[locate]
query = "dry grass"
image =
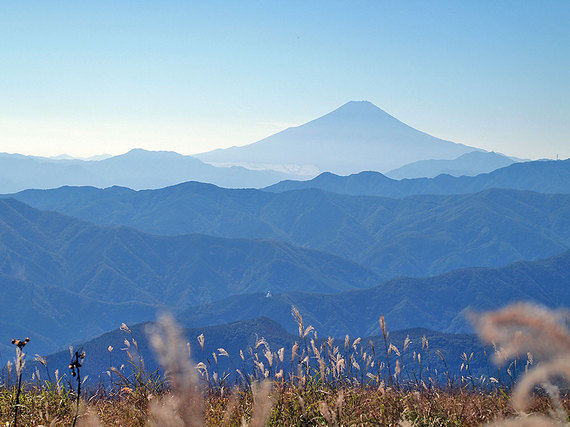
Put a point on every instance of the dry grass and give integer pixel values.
(324, 384)
(288, 405)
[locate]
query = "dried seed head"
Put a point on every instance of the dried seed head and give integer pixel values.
(40, 359)
(294, 351)
(20, 343)
(269, 356)
(407, 342)
(382, 325)
(201, 341)
(261, 342)
(522, 328)
(308, 331)
(394, 348)
(298, 319)
(534, 330)
(356, 342)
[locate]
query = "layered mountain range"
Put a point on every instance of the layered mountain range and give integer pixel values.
(357, 136)
(551, 176)
(57, 270)
(60, 271)
(76, 261)
(469, 164)
(416, 235)
(438, 303)
(136, 169)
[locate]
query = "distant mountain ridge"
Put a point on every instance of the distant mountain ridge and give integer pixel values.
(544, 176)
(438, 303)
(414, 236)
(356, 136)
(137, 169)
(469, 164)
(58, 272)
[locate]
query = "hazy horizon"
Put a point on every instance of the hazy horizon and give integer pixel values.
(90, 78)
(92, 156)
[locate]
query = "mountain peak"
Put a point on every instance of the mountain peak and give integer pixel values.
(360, 111)
(142, 153)
(363, 103)
(360, 106)
(356, 136)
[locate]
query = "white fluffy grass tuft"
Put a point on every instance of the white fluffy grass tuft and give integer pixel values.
(525, 328)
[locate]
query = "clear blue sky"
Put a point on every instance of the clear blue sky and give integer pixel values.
(90, 77)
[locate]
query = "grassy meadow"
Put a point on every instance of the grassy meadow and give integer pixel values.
(315, 382)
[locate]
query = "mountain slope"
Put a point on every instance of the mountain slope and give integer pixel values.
(469, 164)
(415, 236)
(58, 272)
(437, 303)
(357, 136)
(136, 169)
(541, 176)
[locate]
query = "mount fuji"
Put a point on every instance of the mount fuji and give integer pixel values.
(357, 136)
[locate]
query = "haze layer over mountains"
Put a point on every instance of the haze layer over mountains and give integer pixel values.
(356, 137)
(137, 169)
